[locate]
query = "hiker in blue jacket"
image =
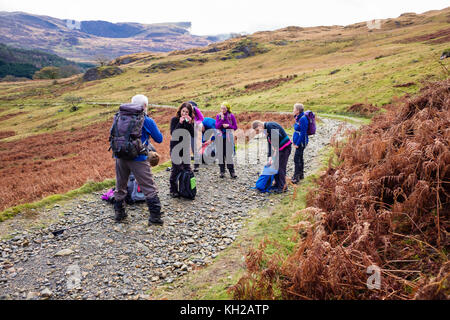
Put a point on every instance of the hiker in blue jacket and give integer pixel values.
(279, 151)
(300, 140)
(141, 169)
(208, 150)
(208, 124)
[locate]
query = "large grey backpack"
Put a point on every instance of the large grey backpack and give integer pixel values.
(126, 132)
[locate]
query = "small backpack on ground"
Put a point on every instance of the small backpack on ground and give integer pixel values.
(266, 179)
(187, 185)
(109, 196)
(311, 122)
(126, 132)
(134, 194)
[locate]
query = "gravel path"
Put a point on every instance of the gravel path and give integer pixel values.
(106, 260)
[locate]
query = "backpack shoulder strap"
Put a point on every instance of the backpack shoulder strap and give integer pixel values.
(130, 128)
(114, 130)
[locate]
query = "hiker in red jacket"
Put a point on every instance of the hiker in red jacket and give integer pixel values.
(225, 124)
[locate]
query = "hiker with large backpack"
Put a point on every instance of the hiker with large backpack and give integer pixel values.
(225, 124)
(279, 150)
(129, 139)
(304, 126)
(182, 131)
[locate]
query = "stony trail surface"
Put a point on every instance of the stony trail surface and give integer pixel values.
(106, 260)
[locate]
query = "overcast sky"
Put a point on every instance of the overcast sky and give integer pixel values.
(224, 16)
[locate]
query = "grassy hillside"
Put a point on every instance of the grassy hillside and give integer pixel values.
(328, 68)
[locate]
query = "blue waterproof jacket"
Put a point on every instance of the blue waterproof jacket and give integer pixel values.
(301, 130)
(209, 124)
(149, 130)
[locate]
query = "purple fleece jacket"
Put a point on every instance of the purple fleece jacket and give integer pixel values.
(229, 119)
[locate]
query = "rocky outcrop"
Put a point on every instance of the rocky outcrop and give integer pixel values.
(244, 49)
(101, 73)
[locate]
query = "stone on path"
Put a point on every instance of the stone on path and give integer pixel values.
(64, 252)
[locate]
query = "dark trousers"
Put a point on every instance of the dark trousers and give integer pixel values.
(299, 163)
(222, 154)
(280, 178)
(143, 174)
(176, 170)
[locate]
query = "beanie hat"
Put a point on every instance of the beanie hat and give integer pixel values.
(228, 105)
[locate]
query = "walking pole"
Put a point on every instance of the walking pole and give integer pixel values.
(60, 232)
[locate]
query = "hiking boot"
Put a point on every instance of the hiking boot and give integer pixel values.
(196, 168)
(155, 221)
(279, 191)
(154, 207)
(297, 179)
(233, 175)
(119, 210)
(174, 195)
(222, 175)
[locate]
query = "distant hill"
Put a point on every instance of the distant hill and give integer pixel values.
(24, 63)
(85, 40)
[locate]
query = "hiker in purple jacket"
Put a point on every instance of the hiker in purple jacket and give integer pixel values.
(225, 124)
(141, 169)
(196, 142)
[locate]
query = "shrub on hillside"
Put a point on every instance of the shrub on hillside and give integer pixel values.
(47, 73)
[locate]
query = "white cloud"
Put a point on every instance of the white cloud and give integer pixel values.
(219, 16)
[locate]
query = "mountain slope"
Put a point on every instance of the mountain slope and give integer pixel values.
(328, 68)
(84, 40)
(24, 63)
